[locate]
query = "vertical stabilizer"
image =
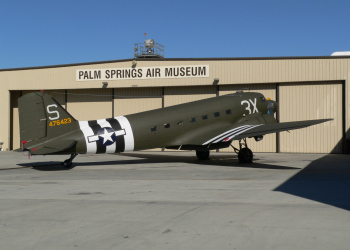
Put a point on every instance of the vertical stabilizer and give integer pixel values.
(42, 117)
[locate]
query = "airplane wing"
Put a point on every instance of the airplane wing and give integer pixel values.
(249, 126)
(249, 130)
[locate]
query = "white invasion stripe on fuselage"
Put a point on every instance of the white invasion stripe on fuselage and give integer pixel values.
(129, 136)
(104, 124)
(91, 148)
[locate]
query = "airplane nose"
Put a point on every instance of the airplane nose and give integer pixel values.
(272, 106)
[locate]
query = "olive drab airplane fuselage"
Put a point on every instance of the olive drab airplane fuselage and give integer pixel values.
(47, 128)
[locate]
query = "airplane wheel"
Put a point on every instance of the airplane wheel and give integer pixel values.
(67, 164)
(245, 155)
(203, 155)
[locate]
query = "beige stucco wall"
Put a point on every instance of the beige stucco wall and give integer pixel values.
(229, 71)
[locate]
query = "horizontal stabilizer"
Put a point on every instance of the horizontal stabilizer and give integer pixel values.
(52, 147)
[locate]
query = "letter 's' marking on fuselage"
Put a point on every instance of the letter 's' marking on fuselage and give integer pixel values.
(53, 112)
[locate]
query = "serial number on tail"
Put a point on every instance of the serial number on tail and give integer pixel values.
(60, 122)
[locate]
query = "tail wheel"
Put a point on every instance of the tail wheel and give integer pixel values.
(67, 164)
(245, 155)
(203, 155)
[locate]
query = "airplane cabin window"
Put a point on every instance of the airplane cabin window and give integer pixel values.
(217, 114)
(154, 129)
(204, 117)
(228, 111)
(192, 119)
(166, 125)
(180, 123)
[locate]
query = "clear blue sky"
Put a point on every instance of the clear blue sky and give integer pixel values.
(39, 33)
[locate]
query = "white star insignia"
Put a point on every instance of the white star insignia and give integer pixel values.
(107, 136)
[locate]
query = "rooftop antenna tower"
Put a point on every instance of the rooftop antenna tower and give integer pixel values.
(148, 49)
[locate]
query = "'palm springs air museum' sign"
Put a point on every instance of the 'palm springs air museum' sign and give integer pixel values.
(142, 73)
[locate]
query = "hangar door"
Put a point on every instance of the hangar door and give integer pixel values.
(133, 100)
(179, 95)
(89, 104)
(312, 101)
(268, 144)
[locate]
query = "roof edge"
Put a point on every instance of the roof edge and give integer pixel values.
(180, 59)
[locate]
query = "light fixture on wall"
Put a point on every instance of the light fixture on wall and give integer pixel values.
(104, 84)
(216, 81)
(133, 64)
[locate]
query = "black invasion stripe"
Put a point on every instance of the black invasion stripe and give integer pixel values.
(101, 149)
(120, 142)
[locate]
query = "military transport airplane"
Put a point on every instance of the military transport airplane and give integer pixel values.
(47, 128)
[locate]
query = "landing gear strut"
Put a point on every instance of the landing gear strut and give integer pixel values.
(202, 154)
(68, 163)
(245, 155)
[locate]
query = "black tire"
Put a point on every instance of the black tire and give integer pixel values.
(67, 164)
(202, 154)
(245, 155)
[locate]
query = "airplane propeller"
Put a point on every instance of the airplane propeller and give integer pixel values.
(272, 106)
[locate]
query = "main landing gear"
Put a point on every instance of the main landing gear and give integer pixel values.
(245, 155)
(202, 154)
(68, 163)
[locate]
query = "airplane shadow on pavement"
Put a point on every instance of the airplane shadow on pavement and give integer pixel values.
(224, 160)
(216, 160)
(326, 180)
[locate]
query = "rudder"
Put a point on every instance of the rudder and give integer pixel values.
(41, 116)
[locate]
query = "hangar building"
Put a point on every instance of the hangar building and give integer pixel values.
(305, 88)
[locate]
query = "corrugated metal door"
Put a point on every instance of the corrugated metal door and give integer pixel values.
(312, 101)
(178, 95)
(134, 100)
(89, 104)
(268, 144)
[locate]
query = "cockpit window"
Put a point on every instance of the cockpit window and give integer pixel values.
(262, 99)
